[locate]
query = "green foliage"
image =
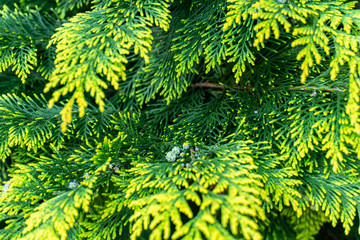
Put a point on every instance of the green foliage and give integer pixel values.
(23, 41)
(50, 219)
(92, 49)
(218, 197)
(234, 119)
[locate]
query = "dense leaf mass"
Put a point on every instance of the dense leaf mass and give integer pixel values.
(189, 119)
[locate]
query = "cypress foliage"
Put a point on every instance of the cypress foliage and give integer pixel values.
(189, 119)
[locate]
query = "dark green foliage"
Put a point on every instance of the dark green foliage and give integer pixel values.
(160, 119)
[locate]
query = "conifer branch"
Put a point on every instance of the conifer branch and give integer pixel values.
(212, 85)
(263, 154)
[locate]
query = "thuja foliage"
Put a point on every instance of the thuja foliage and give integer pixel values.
(189, 119)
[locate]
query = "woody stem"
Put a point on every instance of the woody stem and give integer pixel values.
(211, 85)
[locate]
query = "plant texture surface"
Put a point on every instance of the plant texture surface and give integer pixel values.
(188, 119)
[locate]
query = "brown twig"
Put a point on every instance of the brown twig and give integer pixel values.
(211, 85)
